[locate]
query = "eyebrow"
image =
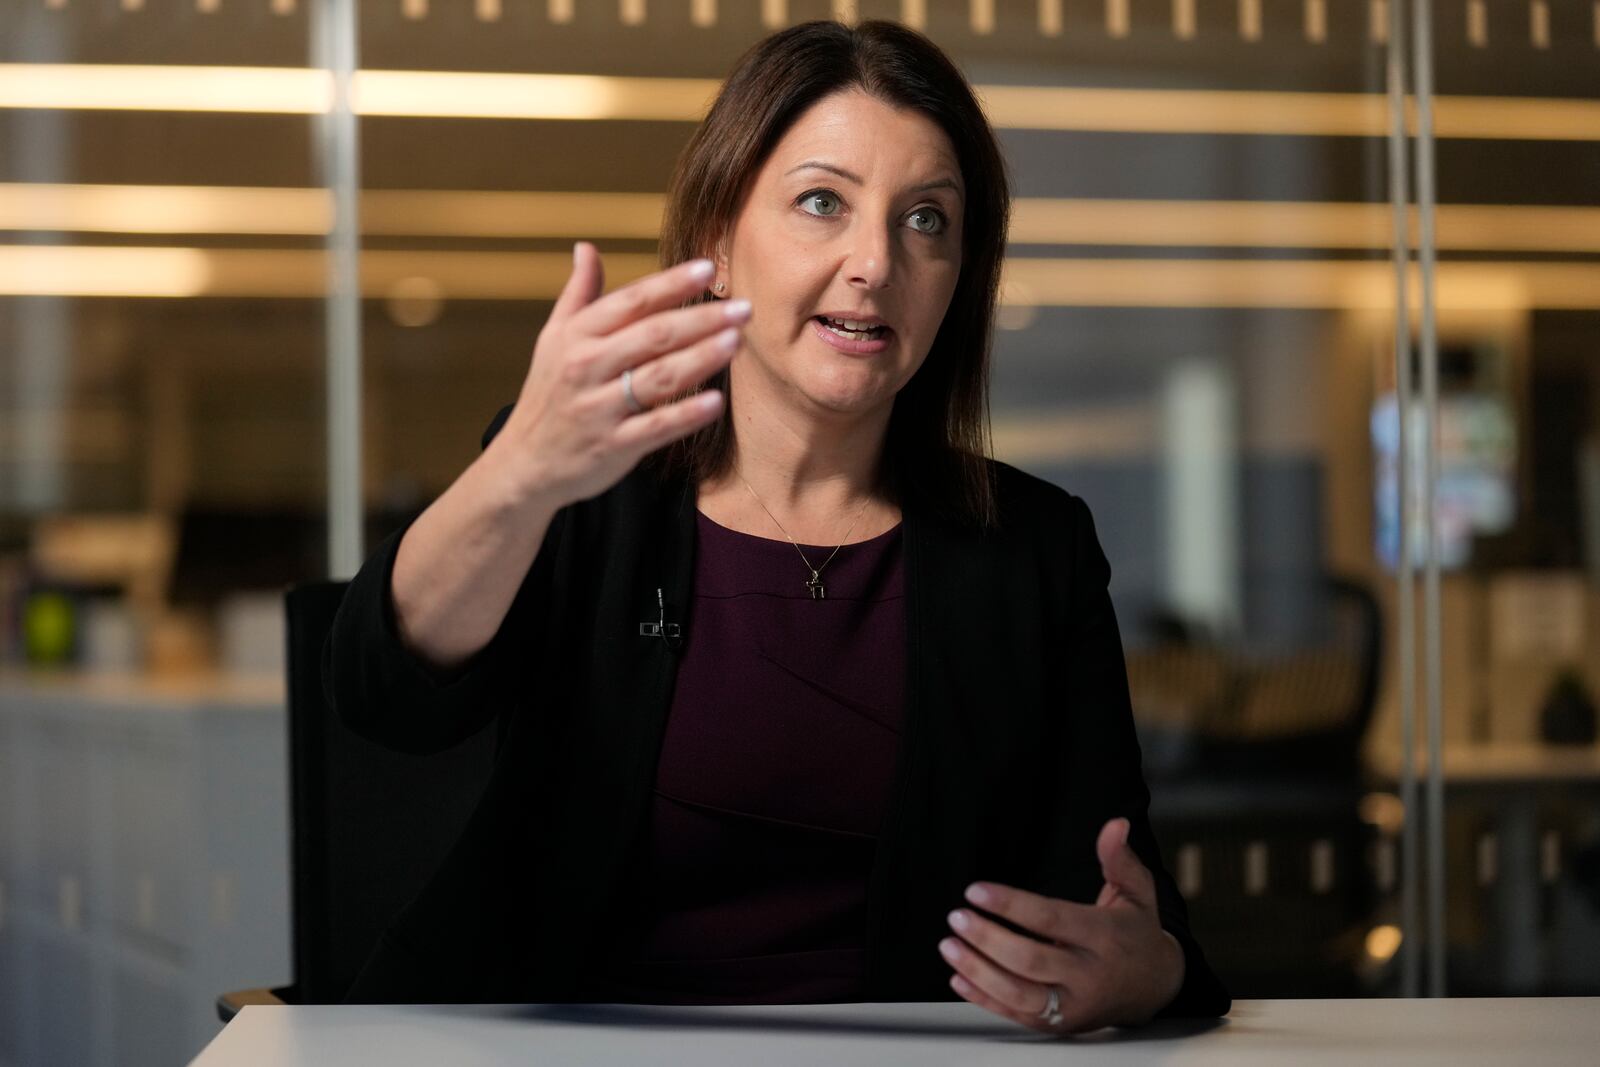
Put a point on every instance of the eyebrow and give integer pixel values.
(817, 164)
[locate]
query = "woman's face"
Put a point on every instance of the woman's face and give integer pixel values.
(856, 215)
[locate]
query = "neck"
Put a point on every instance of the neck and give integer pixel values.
(815, 473)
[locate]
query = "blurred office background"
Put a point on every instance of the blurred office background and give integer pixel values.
(1198, 338)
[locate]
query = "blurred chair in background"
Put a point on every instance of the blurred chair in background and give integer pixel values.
(1254, 766)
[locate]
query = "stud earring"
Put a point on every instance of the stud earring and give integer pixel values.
(720, 286)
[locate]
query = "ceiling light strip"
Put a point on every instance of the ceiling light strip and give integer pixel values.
(41, 270)
(637, 216)
(455, 94)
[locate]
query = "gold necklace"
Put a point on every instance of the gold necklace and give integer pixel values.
(814, 583)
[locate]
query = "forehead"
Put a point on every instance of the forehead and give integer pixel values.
(868, 137)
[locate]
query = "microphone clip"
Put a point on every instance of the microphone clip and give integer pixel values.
(669, 632)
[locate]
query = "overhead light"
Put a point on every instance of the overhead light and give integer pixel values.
(467, 94)
(48, 270)
(449, 94)
(97, 86)
(220, 209)
(57, 270)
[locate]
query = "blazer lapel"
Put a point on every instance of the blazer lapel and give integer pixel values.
(969, 759)
(646, 560)
(926, 839)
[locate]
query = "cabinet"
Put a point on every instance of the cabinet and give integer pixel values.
(144, 864)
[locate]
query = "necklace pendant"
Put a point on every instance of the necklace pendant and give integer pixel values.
(814, 583)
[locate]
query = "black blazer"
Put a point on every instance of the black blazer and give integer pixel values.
(1018, 745)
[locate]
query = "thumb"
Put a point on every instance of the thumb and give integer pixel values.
(584, 285)
(1125, 875)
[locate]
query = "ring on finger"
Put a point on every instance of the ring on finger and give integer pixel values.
(1051, 1012)
(627, 393)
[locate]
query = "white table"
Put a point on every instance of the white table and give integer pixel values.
(1543, 1031)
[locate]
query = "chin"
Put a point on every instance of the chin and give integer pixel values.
(846, 390)
(847, 403)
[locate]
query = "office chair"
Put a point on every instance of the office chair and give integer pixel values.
(369, 826)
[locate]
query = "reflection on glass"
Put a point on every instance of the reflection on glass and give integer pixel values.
(1476, 495)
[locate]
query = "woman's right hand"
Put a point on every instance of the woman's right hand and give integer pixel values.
(571, 434)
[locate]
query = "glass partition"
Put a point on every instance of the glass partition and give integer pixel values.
(1198, 337)
(162, 459)
(162, 478)
(1518, 123)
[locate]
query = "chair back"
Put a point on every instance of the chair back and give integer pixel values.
(1213, 710)
(369, 825)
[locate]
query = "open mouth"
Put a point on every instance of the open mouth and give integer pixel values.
(845, 330)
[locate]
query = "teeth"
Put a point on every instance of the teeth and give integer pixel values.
(854, 335)
(853, 325)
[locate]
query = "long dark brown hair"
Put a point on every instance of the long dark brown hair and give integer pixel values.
(937, 445)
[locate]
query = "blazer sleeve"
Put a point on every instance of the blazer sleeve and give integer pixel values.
(1110, 744)
(383, 692)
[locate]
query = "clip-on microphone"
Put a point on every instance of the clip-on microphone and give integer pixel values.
(670, 632)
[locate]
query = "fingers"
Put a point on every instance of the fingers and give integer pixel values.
(584, 285)
(972, 993)
(648, 431)
(1054, 920)
(668, 331)
(662, 379)
(1017, 953)
(1120, 866)
(1110, 964)
(643, 434)
(1018, 999)
(656, 292)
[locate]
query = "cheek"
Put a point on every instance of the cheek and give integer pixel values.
(783, 293)
(939, 285)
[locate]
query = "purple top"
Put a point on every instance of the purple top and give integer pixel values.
(773, 778)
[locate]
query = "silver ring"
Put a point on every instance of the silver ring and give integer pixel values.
(1051, 1012)
(627, 392)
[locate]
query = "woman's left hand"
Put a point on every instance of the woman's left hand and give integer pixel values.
(1111, 962)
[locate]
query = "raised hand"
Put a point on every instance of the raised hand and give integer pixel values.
(572, 433)
(1110, 962)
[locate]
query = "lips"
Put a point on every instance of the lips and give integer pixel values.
(858, 345)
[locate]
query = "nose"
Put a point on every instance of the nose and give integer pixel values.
(871, 260)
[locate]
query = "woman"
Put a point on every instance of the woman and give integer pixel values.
(801, 698)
